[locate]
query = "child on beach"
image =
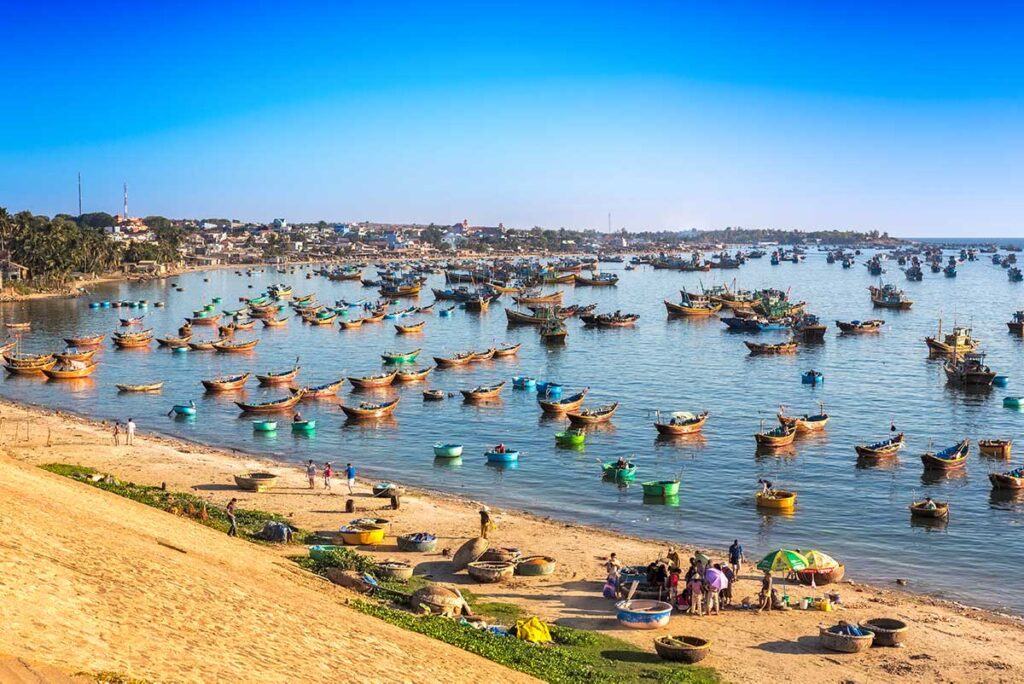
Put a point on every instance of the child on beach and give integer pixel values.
(311, 473)
(328, 472)
(117, 433)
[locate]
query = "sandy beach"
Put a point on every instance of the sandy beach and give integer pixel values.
(948, 642)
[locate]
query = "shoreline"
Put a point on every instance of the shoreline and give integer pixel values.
(572, 595)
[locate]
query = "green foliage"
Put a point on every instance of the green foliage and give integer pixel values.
(249, 521)
(345, 559)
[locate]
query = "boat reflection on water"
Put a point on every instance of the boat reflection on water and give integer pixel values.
(1006, 500)
(768, 453)
(672, 501)
(934, 477)
(501, 467)
(930, 524)
(448, 463)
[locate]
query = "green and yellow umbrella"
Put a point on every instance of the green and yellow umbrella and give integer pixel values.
(820, 561)
(783, 559)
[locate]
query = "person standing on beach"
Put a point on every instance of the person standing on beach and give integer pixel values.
(350, 476)
(486, 524)
(117, 433)
(230, 510)
(311, 473)
(736, 557)
(130, 432)
(328, 472)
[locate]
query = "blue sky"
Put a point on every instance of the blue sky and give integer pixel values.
(905, 118)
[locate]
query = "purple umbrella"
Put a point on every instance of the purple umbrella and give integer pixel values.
(716, 578)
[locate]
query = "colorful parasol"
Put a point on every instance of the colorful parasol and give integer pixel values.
(820, 561)
(716, 578)
(783, 559)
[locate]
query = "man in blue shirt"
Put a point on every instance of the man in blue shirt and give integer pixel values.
(350, 475)
(736, 556)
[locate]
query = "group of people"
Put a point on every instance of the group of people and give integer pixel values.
(127, 429)
(328, 475)
(704, 588)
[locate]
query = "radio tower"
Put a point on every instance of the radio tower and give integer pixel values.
(79, 193)
(125, 201)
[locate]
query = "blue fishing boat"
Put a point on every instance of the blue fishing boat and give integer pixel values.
(502, 456)
(188, 409)
(303, 425)
(812, 377)
(447, 450)
(524, 383)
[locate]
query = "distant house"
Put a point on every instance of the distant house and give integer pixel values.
(13, 271)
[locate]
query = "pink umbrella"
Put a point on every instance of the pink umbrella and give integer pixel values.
(716, 578)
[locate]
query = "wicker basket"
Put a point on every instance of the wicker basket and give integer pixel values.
(491, 572)
(682, 649)
(535, 566)
(394, 569)
(500, 554)
(887, 631)
(843, 642)
(256, 482)
(426, 545)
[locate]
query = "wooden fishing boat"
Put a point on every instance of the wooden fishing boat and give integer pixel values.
(483, 392)
(368, 410)
(413, 374)
(995, 448)
(778, 499)
(920, 509)
(970, 369)
(226, 383)
(598, 280)
(403, 290)
(1012, 480)
(278, 377)
(507, 350)
(522, 318)
(562, 405)
(400, 357)
(537, 298)
(554, 332)
(950, 458)
(601, 414)
(1016, 326)
(460, 359)
(486, 355)
(282, 404)
(8, 346)
(410, 329)
(235, 347)
(660, 488)
(19, 326)
(757, 348)
(889, 297)
(85, 341)
(69, 370)
(319, 391)
(353, 323)
(615, 320)
(75, 354)
(150, 387)
(858, 327)
(959, 341)
(681, 423)
(369, 381)
(887, 448)
(805, 423)
(30, 369)
(433, 395)
(172, 341)
(211, 319)
(245, 325)
(202, 345)
(776, 438)
(133, 340)
(706, 309)
(275, 322)
(320, 320)
(559, 279)
(478, 303)
(29, 360)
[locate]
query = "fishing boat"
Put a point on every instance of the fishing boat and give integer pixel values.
(150, 387)
(278, 377)
(244, 325)
(995, 448)
(85, 341)
(433, 395)
(132, 340)
(275, 322)
(887, 448)
(413, 374)
(75, 354)
(681, 423)
(562, 405)
(507, 456)
(173, 341)
(570, 438)
(226, 383)
(970, 369)
(30, 369)
(805, 423)
(283, 404)
(21, 360)
(765, 348)
(809, 328)
(950, 458)
(400, 290)
(319, 391)
(303, 425)
(540, 317)
(322, 318)
(778, 499)
(370, 410)
(921, 509)
(188, 409)
(857, 327)
(612, 320)
(613, 471)
(478, 303)
(442, 450)
(401, 357)
(483, 392)
(205, 319)
(507, 350)
(775, 438)
(370, 381)
(812, 377)
(538, 298)
(1016, 325)
(661, 488)
(19, 326)
(601, 414)
(202, 345)
(69, 370)
(130, 322)
(410, 329)
(889, 297)
(959, 341)
(352, 324)
(460, 359)
(485, 355)
(522, 382)
(597, 279)
(1012, 480)
(553, 331)
(692, 308)
(264, 425)
(235, 347)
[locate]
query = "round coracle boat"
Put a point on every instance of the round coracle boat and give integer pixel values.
(394, 569)
(322, 552)
(643, 613)
(362, 535)
(256, 482)
(420, 542)
(500, 554)
(388, 488)
(887, 631)
(682, 649)
(820, 576)
(535, 566)
(844, 643)
(490, 571)
(778, 499)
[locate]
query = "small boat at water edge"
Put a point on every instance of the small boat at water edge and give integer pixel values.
(69, 370)
(763, 349)
(370, 381)
(235, 347)
(559, 406)
(400, 357)
(570, 438)
(507, 350)
(282, 404)
(614, 471)
(410, 329)
(75, 354)
(442, 450)
(995, 448)
(369, 410)
(950, 458)
(778, 499)
(661, 488)
(858, 327)
(887, 448)
(459, 359)
(921, 509)
(1011, 480)
(601, 414)
(413, 374)
(681, 423)
(279, 377)
(483, 392)
(225, 383)
(150, 387)
(776, 438)
(85, 341)
(319, 391)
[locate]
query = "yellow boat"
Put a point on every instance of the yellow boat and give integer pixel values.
(362, 535)
(777, 500)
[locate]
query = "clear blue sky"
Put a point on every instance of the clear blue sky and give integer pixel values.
(903, 117)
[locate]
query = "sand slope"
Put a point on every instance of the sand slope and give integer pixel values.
(91, 581)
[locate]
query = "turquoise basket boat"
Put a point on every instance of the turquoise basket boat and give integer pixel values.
(570, 438)
(184, 410)
(264, 425)
(303, 425)
(323, 552)
(502, 456)
(447, 450)
(524, 383)
(661, 488)
(1013, 402)
(611, 471)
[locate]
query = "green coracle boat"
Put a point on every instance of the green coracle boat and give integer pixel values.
(264, 425)
(612, 471)
(303, 425)
(661, 488)
(447, 450)
(400, 357)
(570, 438)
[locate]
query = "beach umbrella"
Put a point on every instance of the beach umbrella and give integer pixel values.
(716, 578)
(782, 559)
(701, 558)
(820, 561)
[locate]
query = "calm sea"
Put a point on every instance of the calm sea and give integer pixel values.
(858, 515)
